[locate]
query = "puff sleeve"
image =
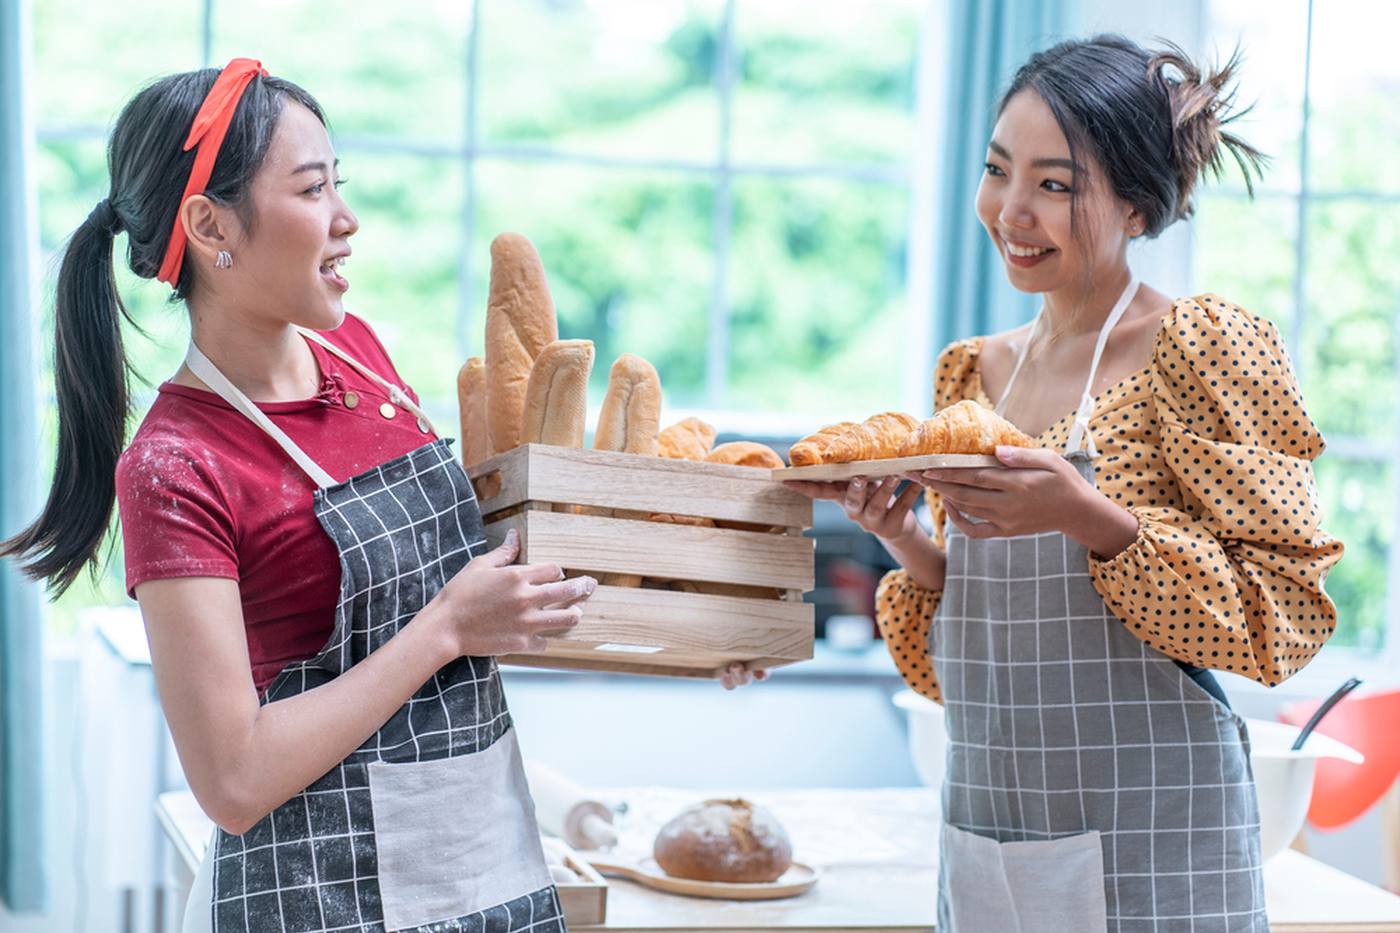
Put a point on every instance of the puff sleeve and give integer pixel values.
(903, 608)
(1231, 577)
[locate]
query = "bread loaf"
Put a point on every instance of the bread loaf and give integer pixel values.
(520, 323)
(631, 417)
(471, 410)
(746, 453)
(556, 399)
(690, 439)
(724, 840)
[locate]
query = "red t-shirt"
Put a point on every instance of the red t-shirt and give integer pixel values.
(203, 492)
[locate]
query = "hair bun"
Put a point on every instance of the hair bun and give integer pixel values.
(1202, 105)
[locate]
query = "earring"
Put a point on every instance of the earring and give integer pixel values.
(224, 260)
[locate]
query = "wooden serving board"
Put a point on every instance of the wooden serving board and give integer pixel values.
(797, 879)
(832, 472)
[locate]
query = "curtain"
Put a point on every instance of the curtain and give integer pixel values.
(987, 41)
(22, 880)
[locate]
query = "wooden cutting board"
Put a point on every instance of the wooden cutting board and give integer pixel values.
(797, 879)
(832, 472)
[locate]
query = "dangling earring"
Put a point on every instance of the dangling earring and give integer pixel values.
(224, 260)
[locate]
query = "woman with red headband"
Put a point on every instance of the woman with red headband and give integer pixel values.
(298, 539)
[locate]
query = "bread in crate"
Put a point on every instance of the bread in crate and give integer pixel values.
(709, 595)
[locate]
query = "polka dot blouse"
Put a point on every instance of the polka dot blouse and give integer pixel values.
(1210, 447)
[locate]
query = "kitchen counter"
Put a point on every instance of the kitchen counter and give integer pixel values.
(877, 851)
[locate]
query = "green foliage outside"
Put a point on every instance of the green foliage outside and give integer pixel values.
(815, 281)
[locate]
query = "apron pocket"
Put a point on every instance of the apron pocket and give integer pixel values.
(454, 835)
(1053, 886)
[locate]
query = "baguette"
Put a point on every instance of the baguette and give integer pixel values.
(520, 323)
(471, 410)
(556, 399)
(631, 417)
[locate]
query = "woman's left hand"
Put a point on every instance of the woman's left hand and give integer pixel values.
(738, 674)
(1038, 491)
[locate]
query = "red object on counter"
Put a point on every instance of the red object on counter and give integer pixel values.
(1343, 791)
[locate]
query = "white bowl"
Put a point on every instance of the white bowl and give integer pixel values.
(1283, 777)
(928, 740)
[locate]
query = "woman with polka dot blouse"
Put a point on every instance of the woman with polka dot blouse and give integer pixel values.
(1071, 602)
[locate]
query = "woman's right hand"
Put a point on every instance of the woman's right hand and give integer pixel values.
(493, 606)
(870, 503)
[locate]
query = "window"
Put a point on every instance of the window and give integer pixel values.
(721, 186)
(1315, 253)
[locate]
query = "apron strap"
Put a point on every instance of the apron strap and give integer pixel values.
(1079, 436)
(1020, 361)
(205, 369)
(396, 395)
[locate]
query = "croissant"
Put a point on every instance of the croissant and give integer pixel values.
(878, 437)
(811, 449)
(964, 428)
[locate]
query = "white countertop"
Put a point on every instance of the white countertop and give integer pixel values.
(877, 851)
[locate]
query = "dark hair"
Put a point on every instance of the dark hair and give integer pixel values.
(148, 168)
(1152, 119)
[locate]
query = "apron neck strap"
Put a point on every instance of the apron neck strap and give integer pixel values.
(205, 369)
(1020, 361)
(1079, 436)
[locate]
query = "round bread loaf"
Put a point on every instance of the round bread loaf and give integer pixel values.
(724, 840)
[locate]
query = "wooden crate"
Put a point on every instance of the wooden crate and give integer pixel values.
(566, 503)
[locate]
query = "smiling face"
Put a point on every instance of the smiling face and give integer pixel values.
(287, 268)
(1026, 202)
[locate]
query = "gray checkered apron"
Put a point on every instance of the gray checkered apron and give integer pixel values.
(429, 824)
(1092, 783)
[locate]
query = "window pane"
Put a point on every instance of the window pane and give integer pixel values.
(90, 58)
(403, 274)
(1244, 252)
(1358, 500)
(629, 257)
(379, 69)
(817, 285)
(1272, 34)
(72, 178)
(1355, 82)
(627, 78)
(834, 87)
(1348, 349)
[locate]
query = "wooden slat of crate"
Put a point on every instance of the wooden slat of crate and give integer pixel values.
(655, 549)
(696, 633)
(605, 479)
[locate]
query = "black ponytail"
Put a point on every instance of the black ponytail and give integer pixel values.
(148, 167)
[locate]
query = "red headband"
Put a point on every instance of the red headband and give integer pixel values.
(208, 131)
